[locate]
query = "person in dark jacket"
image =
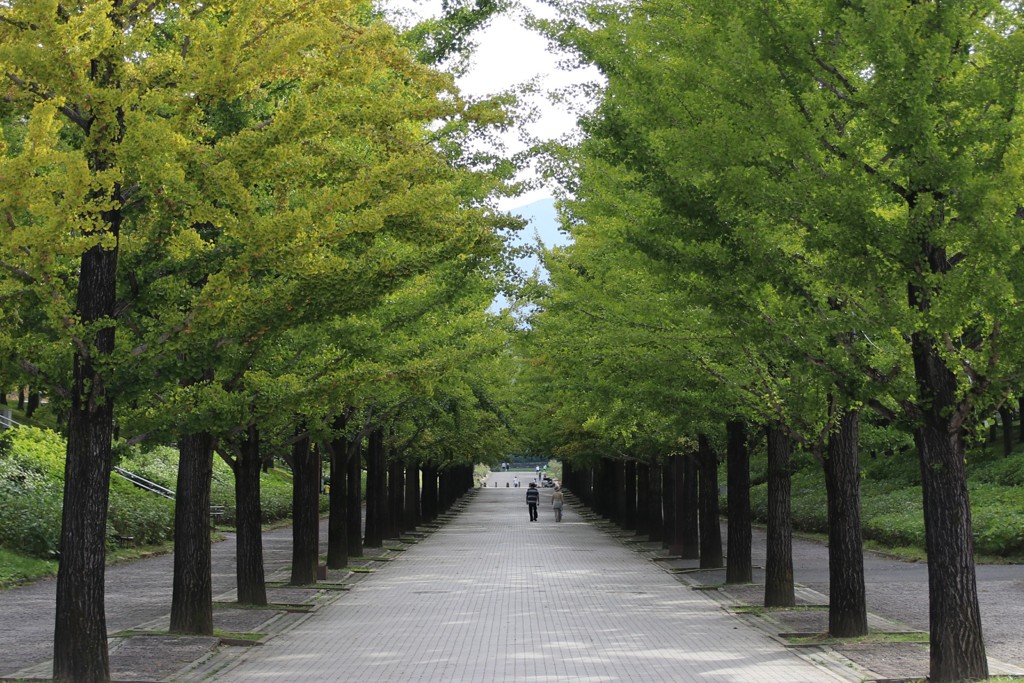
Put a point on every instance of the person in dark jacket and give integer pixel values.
(532, 499)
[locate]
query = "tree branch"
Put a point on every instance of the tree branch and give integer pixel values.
(72, 114)
(19, 273)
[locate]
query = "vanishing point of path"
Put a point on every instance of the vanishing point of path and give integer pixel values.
(494, 597)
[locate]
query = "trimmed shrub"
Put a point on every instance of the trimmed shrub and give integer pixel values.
(30, 516)
(147, 518)
(892, 517)
(1004, 471)
(997, 513)
(32, 483)
(893, 469)
(31, 491)
(160, 465)
(33, 451)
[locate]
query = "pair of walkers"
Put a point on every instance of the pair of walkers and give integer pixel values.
(533, 499)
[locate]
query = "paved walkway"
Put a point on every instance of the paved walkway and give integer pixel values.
(494, 597)
(491, 596)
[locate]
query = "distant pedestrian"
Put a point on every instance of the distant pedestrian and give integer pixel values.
(557, 500)
(515, 482)
(532, 498)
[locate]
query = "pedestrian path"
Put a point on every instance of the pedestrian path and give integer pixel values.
(491, 596)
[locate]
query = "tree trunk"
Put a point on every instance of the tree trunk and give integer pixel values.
(957, 647)
(643, 499)
(655, 501)
(396, 497)
(630, 516)
(80, 630)
(305, 513)
(250, 577)
(1020, 417)
(445, 497)
(668, 497)
(599, 493)
(739, 566)
(428, 501)
(412, 497)
(689, 532)
(675, 541)
(710, 529)
(778, 568)
(1006, 417)
(619, 483)
(376, 491)
(192, 595)
(354, 499)
(586, 492)
(33, 404)
(337, 523)
(847, 603)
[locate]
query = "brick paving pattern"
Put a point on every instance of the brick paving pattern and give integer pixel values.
(494, 597)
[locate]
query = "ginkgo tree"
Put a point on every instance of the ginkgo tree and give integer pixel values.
(181, 183)
(746, 319)
(876, 145)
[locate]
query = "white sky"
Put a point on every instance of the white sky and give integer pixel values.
(508, 55)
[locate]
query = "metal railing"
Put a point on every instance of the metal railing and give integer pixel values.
(146, 484)
(6, 421)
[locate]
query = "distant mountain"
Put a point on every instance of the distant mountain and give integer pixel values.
(543, 222)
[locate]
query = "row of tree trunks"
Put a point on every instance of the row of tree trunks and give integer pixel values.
(669, 513)
(84, 658)
(664, 495)
(454, 481)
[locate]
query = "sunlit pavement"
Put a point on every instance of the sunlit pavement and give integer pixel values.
(491, 596)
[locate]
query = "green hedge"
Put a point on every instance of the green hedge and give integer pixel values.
(146, 518)
(160, 465)
(31, 491)
(891, 503)
(30, 516)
